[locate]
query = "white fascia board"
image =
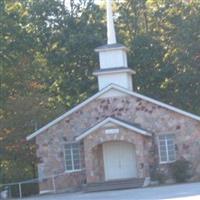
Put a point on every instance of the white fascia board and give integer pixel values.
(68, 112)
(114, 71)
(114, 121)
(131, 127)
(104, 90)
(164, 105)
(159, 103)
(111, 49)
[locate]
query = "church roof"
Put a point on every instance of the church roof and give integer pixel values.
(103, 91)
(131, 126)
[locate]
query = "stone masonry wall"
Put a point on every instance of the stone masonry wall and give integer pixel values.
(95, 170)
(134, 110)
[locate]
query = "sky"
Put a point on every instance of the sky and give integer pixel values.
(96, 1)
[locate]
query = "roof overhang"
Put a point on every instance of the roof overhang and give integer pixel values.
(115, 121)
(103, 91)
(113, 71)
(109, 47)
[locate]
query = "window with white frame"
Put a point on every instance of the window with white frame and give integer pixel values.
(72, 156)
(167, 148)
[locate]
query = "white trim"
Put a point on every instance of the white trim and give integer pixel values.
(104, 90)
(166, 162)
(69, 112)
(115, 121)
(114, 71)
(103, 49)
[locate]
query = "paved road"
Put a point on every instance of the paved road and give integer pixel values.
(174, 192)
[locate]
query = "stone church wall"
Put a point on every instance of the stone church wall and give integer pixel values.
(134, 110)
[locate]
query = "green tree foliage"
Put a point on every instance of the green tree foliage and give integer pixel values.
(47, 59)
(164, 49)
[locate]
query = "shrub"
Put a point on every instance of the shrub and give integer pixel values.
(180, 170)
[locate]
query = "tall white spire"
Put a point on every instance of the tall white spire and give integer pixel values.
(113, 59)
(111, 36)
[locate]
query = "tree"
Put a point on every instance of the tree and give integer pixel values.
(162, 37)
(47, 59)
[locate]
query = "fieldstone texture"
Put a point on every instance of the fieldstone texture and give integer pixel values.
(93, 150)
(149, 116)
(63, 182)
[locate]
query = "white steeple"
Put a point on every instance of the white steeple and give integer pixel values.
(113, 59)
(111, 36)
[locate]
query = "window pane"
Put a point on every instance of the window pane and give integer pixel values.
(76, 158)
(75, 145)
(68, 163)
(163, 158)
(163, 148)
(171, 151)
(77, 167)
(75, 152)
(68, 146)
(67, 151)
(162, 137)
(167, 153)
(69, 166)
(162, 142)
(170, 142)
(76, 164)
(68, 157)
(170, 137)
(170, 146)
(72, 156)
(163, 154)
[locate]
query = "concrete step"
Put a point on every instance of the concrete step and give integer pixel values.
(114, 185)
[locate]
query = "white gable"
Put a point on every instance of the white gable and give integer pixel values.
(112, 93)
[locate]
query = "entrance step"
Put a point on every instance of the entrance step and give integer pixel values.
(114, 185)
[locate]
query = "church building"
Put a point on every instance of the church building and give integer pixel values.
(117, 138)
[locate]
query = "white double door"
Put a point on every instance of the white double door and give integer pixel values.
(119, 160)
